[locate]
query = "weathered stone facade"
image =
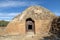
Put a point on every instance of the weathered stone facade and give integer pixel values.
(36, 20)
(42, 21)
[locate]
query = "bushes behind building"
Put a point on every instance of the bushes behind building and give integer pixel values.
(3, 23)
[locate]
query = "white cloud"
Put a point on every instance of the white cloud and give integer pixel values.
(16, 3)
(4, 17)
(11, 4)
(57, 13)
(7, 16)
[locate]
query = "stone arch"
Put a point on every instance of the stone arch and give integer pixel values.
(30, 25)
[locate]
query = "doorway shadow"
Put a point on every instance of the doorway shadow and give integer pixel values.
(30, 25)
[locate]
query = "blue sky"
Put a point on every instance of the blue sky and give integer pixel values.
(10, 8)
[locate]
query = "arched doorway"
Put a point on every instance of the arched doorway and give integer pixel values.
(30, 25)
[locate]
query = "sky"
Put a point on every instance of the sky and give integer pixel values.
(10, 8)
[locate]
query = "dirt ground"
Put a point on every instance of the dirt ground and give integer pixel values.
(18, 37)
(27, 37)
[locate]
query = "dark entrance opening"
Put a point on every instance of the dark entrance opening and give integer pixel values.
(30, 25)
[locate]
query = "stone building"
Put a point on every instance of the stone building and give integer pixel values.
(35, 20)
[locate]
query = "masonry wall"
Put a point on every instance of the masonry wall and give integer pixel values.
(15, 28)
(42, 27)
